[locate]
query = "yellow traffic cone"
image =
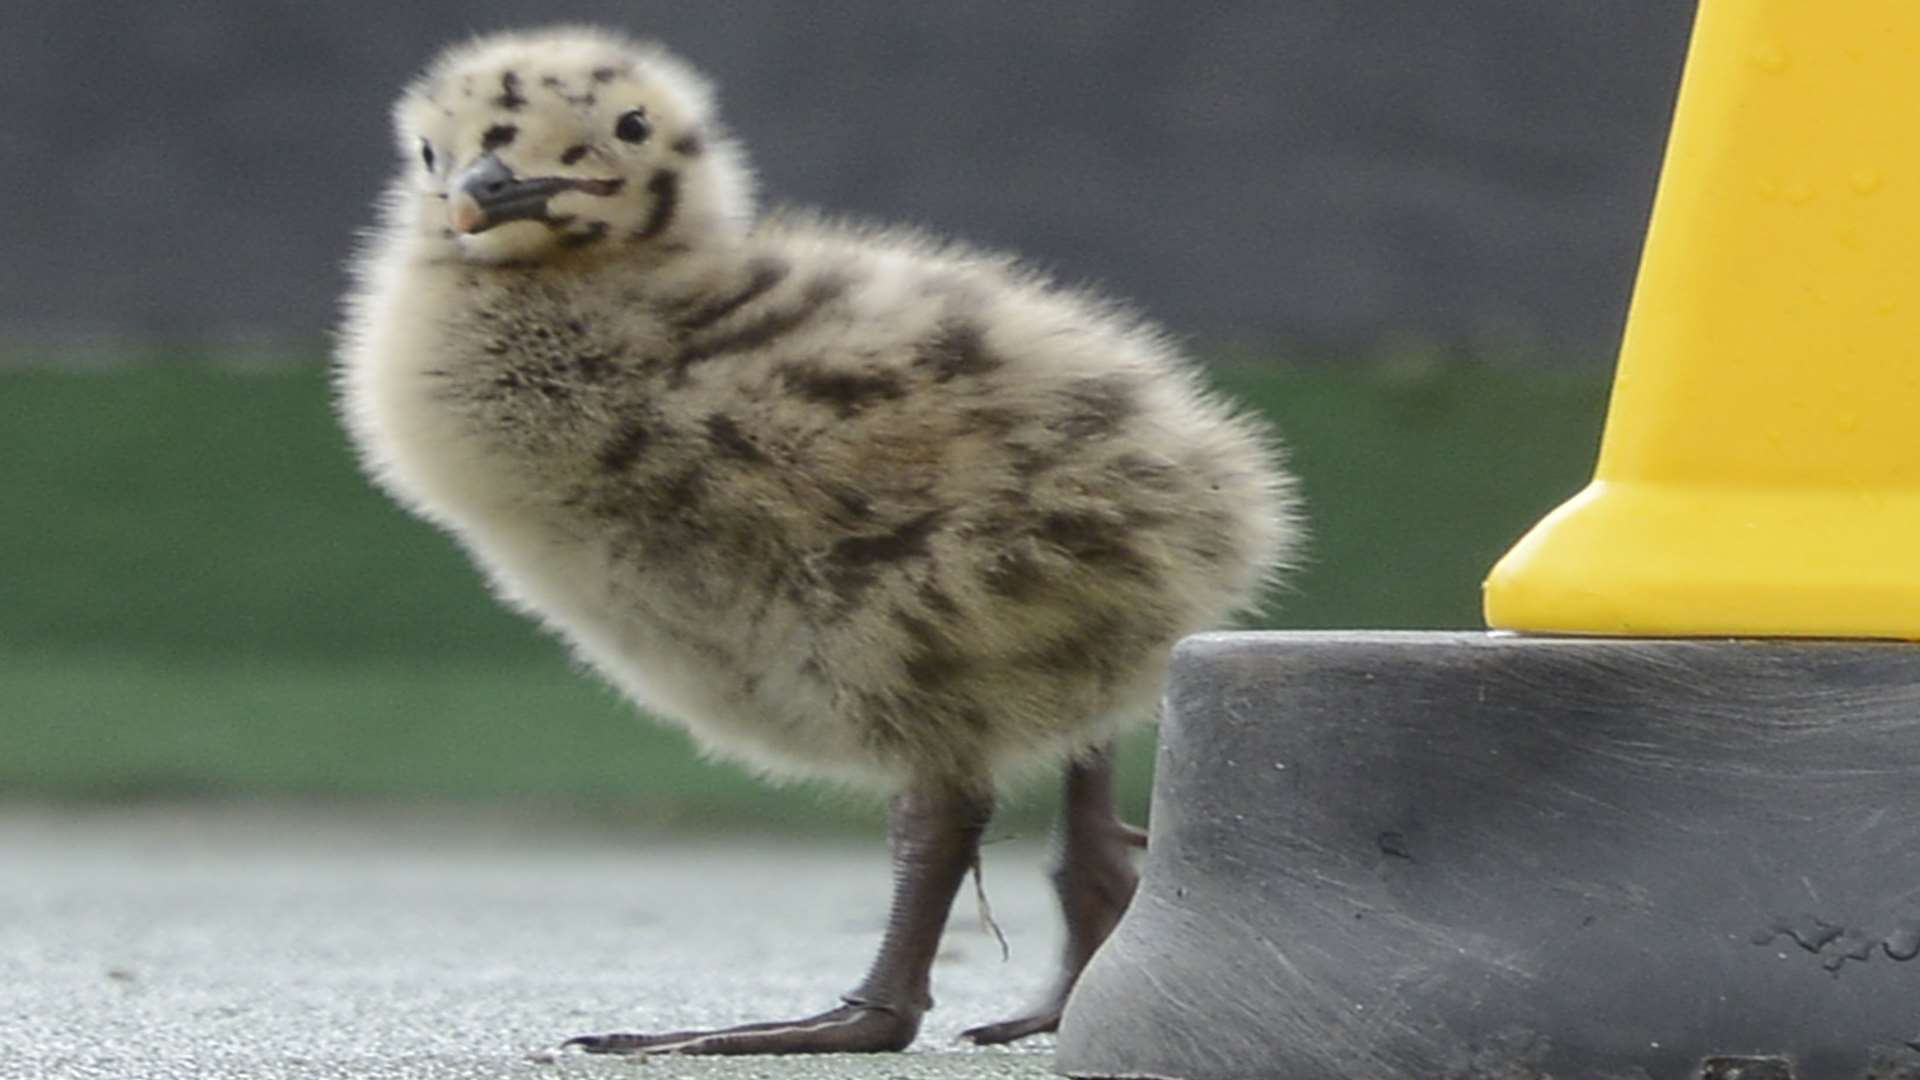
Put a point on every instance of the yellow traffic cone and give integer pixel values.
(1760, 474)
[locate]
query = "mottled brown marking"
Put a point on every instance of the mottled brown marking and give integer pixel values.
(1108, 644)
(1014, 575)
(604, 74)
(1028, 460)
(908, 540)
(510, 98)
(724, 433)
(932, 660)
(595, 366)
(855, 503)
(1076, 654)
(1100, 405)
(499, 135)
(688, 145)
(574, 153)
(629, 442)
(957, 349)
(515, 381)
(937, 600)
(766, 329)
(853, 563)
(763, 272)
(847, 392)
(994, 419)
(664, 186)
(1087, 537)
(685, 490)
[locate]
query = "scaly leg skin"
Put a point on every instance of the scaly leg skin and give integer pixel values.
(935, 839)
(1094, 879)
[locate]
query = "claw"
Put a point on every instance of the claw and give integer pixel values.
(618, 1043)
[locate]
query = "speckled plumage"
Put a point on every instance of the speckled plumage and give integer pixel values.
(844, 501)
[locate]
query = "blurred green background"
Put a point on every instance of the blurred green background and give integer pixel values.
(201, 597)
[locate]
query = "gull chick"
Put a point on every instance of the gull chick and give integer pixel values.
(842, 501)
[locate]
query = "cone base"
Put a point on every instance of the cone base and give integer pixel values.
(1486, 857)
(1651, 560)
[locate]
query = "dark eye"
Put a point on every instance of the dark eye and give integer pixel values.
(426, 154)
(632, 126)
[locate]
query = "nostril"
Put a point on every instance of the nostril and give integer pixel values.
(488, 177)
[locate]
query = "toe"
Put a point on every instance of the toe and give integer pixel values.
(849, 1029)
(1019, 1027)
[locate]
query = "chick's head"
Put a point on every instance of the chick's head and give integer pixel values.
(530, 147)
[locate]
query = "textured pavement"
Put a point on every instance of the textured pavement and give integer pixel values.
(308, 944)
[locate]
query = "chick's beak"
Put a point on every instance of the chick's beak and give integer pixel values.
(487, 193)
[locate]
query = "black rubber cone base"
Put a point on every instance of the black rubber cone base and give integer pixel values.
(1424, 856)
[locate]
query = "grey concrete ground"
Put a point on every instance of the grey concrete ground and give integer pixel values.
(290, 944)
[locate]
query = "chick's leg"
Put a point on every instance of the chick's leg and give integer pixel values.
(1095, 881)
(935, 839)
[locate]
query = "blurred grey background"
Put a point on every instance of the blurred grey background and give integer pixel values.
(1474, 173)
